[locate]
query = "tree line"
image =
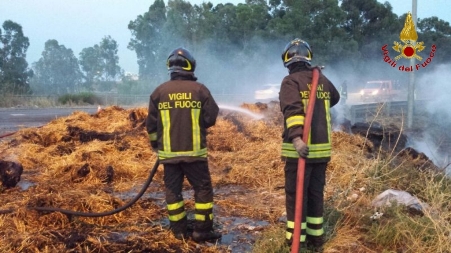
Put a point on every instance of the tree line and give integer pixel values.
(233, 43)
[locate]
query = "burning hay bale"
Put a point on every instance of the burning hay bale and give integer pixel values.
(386, 137)
(10, 173)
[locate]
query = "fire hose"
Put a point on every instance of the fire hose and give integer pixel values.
(301, 164)
(117, 210)
(7, 134)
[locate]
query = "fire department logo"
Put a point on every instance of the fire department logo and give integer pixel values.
(408, 48)
(409, 37)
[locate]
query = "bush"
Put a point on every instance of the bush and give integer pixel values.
(80, 98)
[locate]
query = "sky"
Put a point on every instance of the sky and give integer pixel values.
(79, 24)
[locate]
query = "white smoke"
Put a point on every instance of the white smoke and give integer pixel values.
(433, 88)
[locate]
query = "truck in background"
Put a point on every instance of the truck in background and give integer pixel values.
(383, 90)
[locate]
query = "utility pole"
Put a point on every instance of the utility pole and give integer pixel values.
(411, 88)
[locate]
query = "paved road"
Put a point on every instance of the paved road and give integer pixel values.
(12, 119)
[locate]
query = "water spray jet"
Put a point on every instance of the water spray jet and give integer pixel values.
(255, 116)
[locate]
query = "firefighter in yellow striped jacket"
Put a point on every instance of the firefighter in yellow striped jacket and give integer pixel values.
(180, 111)
(293, 96)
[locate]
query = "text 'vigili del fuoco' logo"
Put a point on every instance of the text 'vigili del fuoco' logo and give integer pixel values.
(408, 48)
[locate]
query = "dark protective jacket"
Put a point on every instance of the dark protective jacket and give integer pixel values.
(180, 111)
(293, 96)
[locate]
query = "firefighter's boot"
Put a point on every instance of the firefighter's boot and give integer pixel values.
(202, 236)
(179, 228)
(315, 243)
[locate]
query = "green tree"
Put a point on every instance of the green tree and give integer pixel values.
(108, 52)
(180, 24)
(14, 71)
(147, 41)
(100, 63)
(253, 18)
(57, 71)
(91, 64)
(288, 21)
(438, 32)
(370, 24)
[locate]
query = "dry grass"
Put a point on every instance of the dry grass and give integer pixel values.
(67, 161)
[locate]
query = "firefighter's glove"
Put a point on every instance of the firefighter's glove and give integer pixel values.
(300, 147)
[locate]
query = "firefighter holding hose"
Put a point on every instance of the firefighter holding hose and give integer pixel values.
(180, 111)
(294, 97)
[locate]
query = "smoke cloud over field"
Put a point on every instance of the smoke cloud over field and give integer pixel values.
(434, 86)
(233, 75)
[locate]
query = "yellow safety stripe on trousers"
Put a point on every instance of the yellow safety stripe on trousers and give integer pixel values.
(315, 232)
(165, 155)
(315, 220)
(203, 206)
(166, 120)
(201, 217)
(295, 120)
(175, 206)
(290, 224)
(153, 136)
(195, 113)
(315, 150)
(177, 217)
(288, 236)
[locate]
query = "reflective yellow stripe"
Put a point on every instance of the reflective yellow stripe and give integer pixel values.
(195, 113)
(177, 217)
(288, 236)
(319, 150)
(305, 103)
(166, 120)
(153, 136)
(320, 154)
(289, 151)
(329, 121)
(309, 140)
(315, 232)
(290, 224)
(204, 206)
(319, 147)
(175, 206)
(288, 146)
(295, 120)
(164, 155)
(200, 217)
(315, 220)
(315, 150)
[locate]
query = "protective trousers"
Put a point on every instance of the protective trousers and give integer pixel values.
(313, 199)
(199, 178)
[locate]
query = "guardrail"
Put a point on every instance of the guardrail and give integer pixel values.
(366, 112)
